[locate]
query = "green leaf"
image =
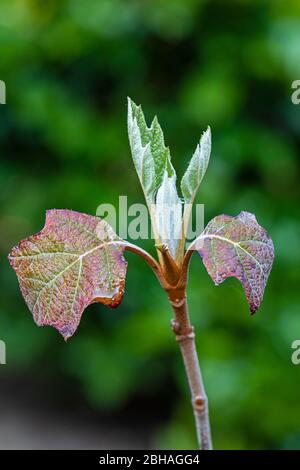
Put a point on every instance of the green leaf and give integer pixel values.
(157, 176)
(138, 133)
(150, 155)
(196, 169)
(239, 247)
(74, 261)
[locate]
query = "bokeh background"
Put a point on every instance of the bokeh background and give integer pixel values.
(119, 383)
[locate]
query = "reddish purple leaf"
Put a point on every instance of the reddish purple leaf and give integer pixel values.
(74, 261)
(239, 247)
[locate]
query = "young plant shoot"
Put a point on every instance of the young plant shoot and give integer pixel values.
(78, 259)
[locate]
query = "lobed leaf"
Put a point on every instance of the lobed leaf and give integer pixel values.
(139, 139)
(157, 176)
(240, 247)
(75, 260)
(150, 155)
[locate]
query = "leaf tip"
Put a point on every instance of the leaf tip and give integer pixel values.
(66, 332)
(208, 131)
(206, 138)
(130, 102)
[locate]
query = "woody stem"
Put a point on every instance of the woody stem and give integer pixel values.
(173, 280)
(185, 337)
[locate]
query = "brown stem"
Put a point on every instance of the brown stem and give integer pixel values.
(185, 336)
(174, 282)
(169, 267)
(149, 259)
(186, 264)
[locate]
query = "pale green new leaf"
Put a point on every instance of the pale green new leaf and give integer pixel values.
(197, 167)
(150, 155)
(152, 161)
(140, 149)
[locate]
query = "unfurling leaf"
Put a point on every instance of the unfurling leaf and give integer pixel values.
(168, 211)
(239, 247)
(152, 161)
(138, 133)
(74, 261)
(197, 167)
(150, 155)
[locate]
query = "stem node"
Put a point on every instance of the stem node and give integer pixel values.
(200, 403)
(185, 337)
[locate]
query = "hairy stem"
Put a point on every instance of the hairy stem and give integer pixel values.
(185, 337)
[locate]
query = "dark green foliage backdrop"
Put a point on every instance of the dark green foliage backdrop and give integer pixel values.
(69, 66)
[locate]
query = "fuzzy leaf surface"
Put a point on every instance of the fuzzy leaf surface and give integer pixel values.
(239, 247)
(75, 260)
(168, 210)
(197, 168)
(150, 155)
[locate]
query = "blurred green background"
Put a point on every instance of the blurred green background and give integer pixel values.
(69, 66)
